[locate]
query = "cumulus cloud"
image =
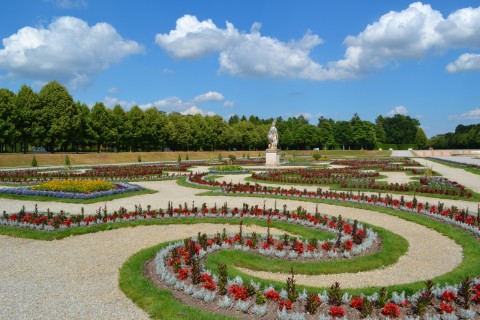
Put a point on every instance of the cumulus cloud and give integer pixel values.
(68, 50)
(209, 96)
(113, 90)
(68, 4)
(309, 116)
(229, 104)
(193, 110)
(466, 62)
(409, 34)
(470, 115)
(175, 104)
(398, 110)
(111, 102)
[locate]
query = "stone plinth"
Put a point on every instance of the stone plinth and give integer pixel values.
(272, 158)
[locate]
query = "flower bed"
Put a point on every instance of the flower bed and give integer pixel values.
(179, 266)
(117, 188)
(459, 217)
(77, 186)
(228, 169)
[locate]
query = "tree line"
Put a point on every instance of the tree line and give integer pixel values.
(464, 137)
(53, 120)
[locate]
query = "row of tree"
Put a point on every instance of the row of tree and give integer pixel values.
(464, 137)
(52, 120)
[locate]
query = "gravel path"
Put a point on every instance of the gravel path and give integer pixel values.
(77, 277)
(470, 180)
(84, 280)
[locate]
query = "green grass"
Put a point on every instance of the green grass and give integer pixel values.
(158, 303)
(80, 201)
(457, 166)
(393, 247)
(475, 196)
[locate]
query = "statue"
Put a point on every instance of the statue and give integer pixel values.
(273, 137)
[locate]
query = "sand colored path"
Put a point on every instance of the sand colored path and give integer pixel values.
(78, 276)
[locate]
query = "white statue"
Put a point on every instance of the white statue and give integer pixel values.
(273, 137)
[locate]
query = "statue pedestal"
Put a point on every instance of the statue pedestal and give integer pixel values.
(272, 158)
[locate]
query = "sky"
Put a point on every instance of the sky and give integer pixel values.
(330, 58)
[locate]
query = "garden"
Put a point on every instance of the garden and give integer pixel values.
(265, 261)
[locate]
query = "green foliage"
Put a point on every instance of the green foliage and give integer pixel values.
(67, 161)
(465, 292)
(139, 158)
(313, 303)
(316, 156)
(222, 279)
(228, 167)
(335, 295)
(367, 308)
(464, 137)
(292, 287)
(34, 162)
(186, 157)
(179, 159)
(260, 298)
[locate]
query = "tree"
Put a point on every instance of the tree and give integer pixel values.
(343, 133)
(400, 129)
(58, 114)
(28, 107)
(364, 135)
(421, 139)
(7, 118)
(326, 135)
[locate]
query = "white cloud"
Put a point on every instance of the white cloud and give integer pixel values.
(111, 102)
(409, 34)
(175, 104)
(68, 50)
(193, 110)
(466, 62)
(398, 110)
(209, 96)
(470, 115)
(309, 116)
(68, 4)
(113, 90)
(229, 104)
(246, 54)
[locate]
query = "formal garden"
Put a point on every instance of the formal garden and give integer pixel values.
(303, 240)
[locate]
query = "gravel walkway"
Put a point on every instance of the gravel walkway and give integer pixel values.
(469, 180)
(84, 280)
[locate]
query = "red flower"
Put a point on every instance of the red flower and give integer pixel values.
(239, 292)
(279, 246)
(210, 285)
(348, 245)
(446, 307)
(272, 295)
(391, 310)
(327, 246)
(356, 303)
(336, 312)
(265, 246)
(287, 304)
(249, 243)
(448, 296)
(205, 277)
(182, 274)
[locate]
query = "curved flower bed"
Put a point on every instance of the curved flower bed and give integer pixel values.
(77, 186)
(454, 215)
(118, 188)
(180, 266)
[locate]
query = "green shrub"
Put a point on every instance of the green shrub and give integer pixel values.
(179, 158)
(67, 161)
(34, 162)
(139, 158)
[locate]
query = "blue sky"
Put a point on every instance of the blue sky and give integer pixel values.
(267, 58)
